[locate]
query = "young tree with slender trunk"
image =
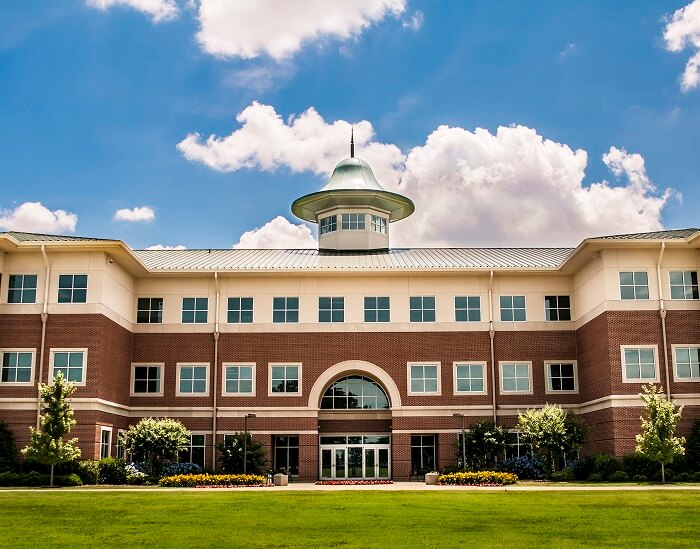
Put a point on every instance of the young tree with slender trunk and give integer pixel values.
(154, 441)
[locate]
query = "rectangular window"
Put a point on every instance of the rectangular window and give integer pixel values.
(72, 288)
(195, 451)
(147, 379)
(285, 309)
(285, 379)
(149, 310)
(515, 447)
(353, 222)
(329, 224)
(513, 308)
(192, 379)
(194, 310)
(239, 379)
(422, 454)
(378, 224)
(331, 309)
(424, 378)
(469, 377)
(121, 453)
(422, 309)
(377, 309)
(634, 285)
(17, 366)
(240, 310)
(561, 377)
(468, 308)
(515, 377)
(557, 308)
(639, 364)
(684, 284)
(687, 363)
(105, 442)
(71, 363)
(22, 289)
(287, 455)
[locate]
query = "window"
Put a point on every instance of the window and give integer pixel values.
(515, 377)
(147, 379)
(422, 309)
(354, 393)
(634, 285)
(17, 366)
(194, 310)
(353, 222)
(192, 379)
(121, 453)
(149, 310)
(377, 309)
(105, 442)
(561, 377)
(287, 454)
(424, 378)
(469, 378)
(468, 308)
(557, 308)
(378, 224)
(285, 379)
(329, 224)
(239, 379)
(684, 284)
(422, 454)
(515, 447)
(22, 289)
(240, 310)
(71, 363)
(331, 309)
(512, 308)
(195, 451)
(687, 363)
(285, 309)
(72, 288)
(638, 364)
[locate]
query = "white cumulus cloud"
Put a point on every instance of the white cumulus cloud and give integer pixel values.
(278, 233)
(162, 247)
(35, 217)
(157, 10)
(139, 213)
(681, 32)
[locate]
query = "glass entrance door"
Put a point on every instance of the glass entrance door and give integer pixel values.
(355, 457)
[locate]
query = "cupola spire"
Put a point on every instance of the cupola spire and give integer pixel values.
(352, 142)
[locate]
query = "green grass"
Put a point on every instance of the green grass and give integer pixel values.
(349, 519)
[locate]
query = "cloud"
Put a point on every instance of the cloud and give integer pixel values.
(35, 217)
(260, 78)
(280, 28)
(278, 233)
(143, 213)
(158, 10)
(569, 50)
(162, 247)
(414, 22)
(683, 31)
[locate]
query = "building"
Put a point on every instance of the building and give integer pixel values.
(351, 360)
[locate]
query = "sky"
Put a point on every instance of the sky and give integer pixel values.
(196, 123)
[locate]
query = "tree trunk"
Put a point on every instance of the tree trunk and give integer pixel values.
(663, 474)
(51, 483)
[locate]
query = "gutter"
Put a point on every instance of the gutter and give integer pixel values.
(44, 320)
(215, 376)
(492, 333)
(662, 315)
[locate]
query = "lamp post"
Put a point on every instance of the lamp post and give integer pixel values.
(245, 442)
(464, 454)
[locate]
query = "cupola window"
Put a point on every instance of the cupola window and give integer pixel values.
(378, 224)
(353, 222)
(329, 224)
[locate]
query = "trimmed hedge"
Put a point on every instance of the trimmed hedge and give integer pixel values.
(479, 478)
(193, 481)
(38, 479)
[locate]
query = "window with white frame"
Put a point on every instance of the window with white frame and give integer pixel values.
(121, 451)
(557, 308)
(194, 310)
(687, 359)
(378, 224)
(71, 363)
(468, 308)
(285, 379)
(239, 379)
(422, 454)
(147, 379)
(331, 309)
(469, 377)
(329, 224)
(424, 378)
(285, 310)
(105, 442)
(240, 310)
(422, 309)
(561, 377)
(353, 222)
(512, 308)
(149, 310)
(22, 289)
(195, 451)
(684, 284)
(72, 288)
(515, 446)
(377, 309)
(639, 363)
(192, 379)
(634, 285)
(516, 377)
(17, 366)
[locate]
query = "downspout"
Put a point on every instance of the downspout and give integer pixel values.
(662, 314)
(492, 333)
(216, 373)
(44, 320)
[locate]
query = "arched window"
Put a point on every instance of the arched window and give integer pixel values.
(354, 393)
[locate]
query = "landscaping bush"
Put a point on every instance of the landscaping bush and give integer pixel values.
(34, 479)
(566, 474)
(669, 473)
(192, 481)
(618, 476)
(8, 451)
(599, 464)
(695, 477)
(135, 474)
(692, 448)
(478, 478)
(173, 469)
(88, 471)
(38, 479)
(111, 471)
(524, 467)
(595, 477)
(68, 480)
(639, 478)
(682, 477)
(9, 479)
(638, 464)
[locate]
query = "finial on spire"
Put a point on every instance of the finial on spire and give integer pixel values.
(352, 142)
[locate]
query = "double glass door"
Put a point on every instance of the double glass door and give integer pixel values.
(366, 458)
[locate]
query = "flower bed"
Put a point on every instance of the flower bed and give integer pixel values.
(353, 482)
(479, 478)
(221, 481)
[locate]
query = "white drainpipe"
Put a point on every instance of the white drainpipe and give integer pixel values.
(662, 314)
(44, 320)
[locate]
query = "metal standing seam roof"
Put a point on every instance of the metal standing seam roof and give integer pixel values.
(37, 237)
(677, 234)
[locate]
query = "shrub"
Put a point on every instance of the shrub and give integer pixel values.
(9, 479)
(668, 475)
(695, 477)
(135, 474)
(565, 474)
(639, 478)
(525, 467)
(111, 471)
(639, 464)
(478, 478)
(192, 481)
(692, 447)
(595, 477)
(34, 479)
(8, 451)
(618, 476)
(88, 471)
(231, 451)
(682, 477)
(600, 464)
(173, 469)
(68, 480)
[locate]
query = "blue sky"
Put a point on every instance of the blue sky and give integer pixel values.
(598, 107)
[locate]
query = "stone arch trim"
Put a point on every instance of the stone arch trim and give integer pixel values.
(349, 367)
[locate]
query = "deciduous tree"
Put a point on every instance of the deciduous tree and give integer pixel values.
(153, 441)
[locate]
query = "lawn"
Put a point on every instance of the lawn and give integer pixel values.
(349, 519)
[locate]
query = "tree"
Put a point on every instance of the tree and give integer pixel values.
(153, 441)
(483, 444)
(692, 447)
(47, 445)
(8, 451)
(231, 454)
(657, 440)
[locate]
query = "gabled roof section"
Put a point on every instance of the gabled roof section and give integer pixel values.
(38, 237)
(655, 235)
